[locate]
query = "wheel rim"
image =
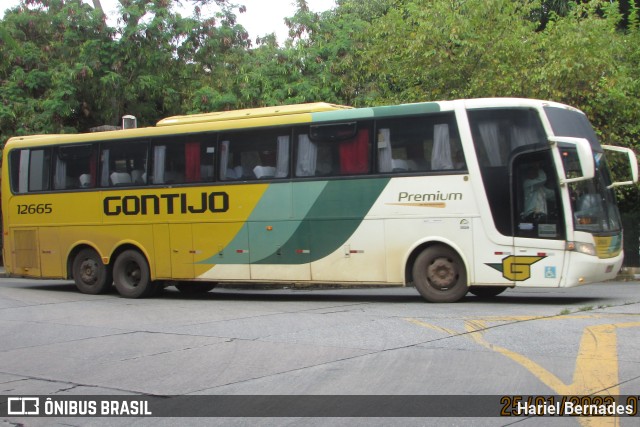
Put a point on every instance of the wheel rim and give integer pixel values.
(442, 273)
(89, 271)
(132, 274)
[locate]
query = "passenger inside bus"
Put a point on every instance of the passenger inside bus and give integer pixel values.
(536, 194)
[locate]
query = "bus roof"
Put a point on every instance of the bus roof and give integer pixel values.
(319, 113)
(282, 110)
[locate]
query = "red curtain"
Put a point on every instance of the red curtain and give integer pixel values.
(354, 154)
(192, 160)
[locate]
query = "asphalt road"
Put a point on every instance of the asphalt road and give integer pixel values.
(579, 341)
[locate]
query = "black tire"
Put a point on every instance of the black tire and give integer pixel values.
(90, 274)
(487, 291)
(194, 288)
(440, 275)
(131, 275)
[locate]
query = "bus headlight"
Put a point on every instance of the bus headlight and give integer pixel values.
(583, 248)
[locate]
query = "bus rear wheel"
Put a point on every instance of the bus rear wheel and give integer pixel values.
(440, 275)
(90, 274)
(131, 275)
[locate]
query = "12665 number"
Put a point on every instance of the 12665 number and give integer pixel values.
(35, 209)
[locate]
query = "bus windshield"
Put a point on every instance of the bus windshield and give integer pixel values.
(592, 202)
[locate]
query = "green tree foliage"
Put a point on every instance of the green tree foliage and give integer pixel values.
(47, 67)
(456, 49)
(64, 70)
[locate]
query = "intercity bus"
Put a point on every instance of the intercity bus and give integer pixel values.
(450, 197)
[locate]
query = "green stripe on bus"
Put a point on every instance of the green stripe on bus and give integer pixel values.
(273, 210)
(335, 216)
(376, 112)
(324, 216)
(284, 220)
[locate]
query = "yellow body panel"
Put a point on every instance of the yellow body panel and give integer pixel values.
(173, 228)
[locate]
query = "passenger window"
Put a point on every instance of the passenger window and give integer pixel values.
(30, 170)
(255, 154)
(75, 167)
(335, 149)
(419, 144)
(183, 160)
(123, 164)
(498, 133)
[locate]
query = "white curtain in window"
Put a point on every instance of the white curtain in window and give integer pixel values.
(282, 161)
(224, 159)
(60, 177)
(23, 175)
(104, 176)
(522, 135)
(489, 133)
(159, 160)
(36, 170)
(441, 156)
(385, 163)
(307, 156)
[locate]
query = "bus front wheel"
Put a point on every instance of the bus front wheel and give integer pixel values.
(440, 275)
(131, 275)
(90, 274)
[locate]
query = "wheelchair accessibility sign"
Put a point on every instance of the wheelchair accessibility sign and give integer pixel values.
(549, 272)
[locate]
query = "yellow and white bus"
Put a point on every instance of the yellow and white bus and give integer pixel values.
(450, 197)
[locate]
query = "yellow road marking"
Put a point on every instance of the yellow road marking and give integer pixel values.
(596, 368)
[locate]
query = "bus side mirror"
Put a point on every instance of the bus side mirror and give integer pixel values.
(633, 164)
(584, 157)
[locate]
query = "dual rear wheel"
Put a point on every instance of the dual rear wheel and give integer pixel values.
(130, 274)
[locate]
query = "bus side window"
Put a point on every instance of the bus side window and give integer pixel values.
(30, 170)
(255, 154)
(333, 149)
(316, 158)
(419, 144)
(123, 164)
(75, 167)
